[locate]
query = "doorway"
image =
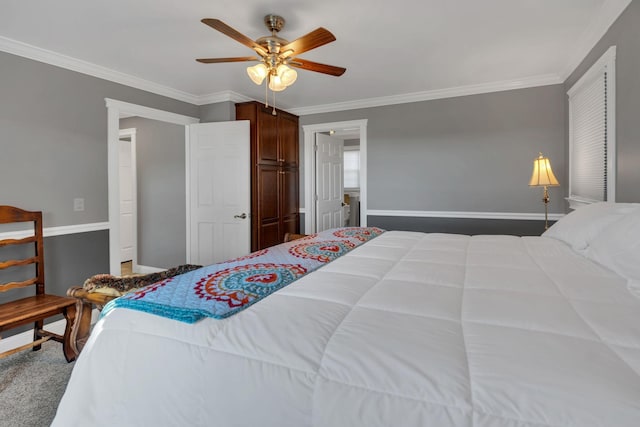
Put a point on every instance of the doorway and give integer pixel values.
(116, 110)
(128, 202)
(347, 130)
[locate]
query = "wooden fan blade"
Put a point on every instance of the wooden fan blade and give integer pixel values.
(218, 25)
(314, 39)
(317, 67)
(234, 59)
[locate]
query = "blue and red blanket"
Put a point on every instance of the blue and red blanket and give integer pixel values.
(221, 290)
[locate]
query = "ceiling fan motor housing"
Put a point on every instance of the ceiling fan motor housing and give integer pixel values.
(274, 22)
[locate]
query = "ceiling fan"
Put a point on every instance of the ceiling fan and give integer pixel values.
(276, 55)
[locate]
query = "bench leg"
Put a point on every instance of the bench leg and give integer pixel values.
(68, 344)
(37, 327)
(81, 326)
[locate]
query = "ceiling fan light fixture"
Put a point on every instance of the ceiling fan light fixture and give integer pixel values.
(257, 73)
(275, 83)
(287, 75)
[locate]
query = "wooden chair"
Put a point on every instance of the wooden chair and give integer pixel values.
(33, 309)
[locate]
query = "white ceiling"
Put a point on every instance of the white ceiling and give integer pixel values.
(393, 50)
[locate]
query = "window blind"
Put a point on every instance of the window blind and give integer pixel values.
(592, 136)
(589, 145)
(352, 169)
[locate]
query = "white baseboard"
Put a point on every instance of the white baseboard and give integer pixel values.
(26, 337)
(144, 269)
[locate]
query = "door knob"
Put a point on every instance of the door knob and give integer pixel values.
(242, 216)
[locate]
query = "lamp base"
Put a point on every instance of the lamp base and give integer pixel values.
(545, 199)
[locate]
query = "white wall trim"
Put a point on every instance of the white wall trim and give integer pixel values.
(609, 12)
(227, 95)
(149, 113)
(114, 108)
(452, 92)
(26, 337)
(465, 214)
(310, 168)
(63, 61)
(145, 269)
(25, 50)
(61, 230)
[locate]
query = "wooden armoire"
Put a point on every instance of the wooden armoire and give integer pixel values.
(275, 180)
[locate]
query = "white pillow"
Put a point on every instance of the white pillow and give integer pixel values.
(581, 226)
(617, 247)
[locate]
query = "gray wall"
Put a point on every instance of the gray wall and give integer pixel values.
(471, 153)
(54, 138)
(625, 35)
(218, 112)
(160, 164)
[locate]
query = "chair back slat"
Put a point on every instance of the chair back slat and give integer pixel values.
(11, 214)
(18, 262)
(15, 285)
(9, 242)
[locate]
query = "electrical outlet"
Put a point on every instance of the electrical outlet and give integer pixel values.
(78, 205)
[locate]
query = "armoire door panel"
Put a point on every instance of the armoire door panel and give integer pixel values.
(267, 147)
(288, 134)
(268, 208)
(290, 192)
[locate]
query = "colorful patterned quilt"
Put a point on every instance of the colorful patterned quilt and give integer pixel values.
(221, 290)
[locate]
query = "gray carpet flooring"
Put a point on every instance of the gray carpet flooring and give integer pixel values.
(31, 386)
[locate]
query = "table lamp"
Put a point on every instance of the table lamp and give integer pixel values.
(543, 177)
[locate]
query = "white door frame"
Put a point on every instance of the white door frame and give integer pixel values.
(131, 134)
(310, 169)
(114, 109)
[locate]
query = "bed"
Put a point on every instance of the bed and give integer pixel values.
(407, 329)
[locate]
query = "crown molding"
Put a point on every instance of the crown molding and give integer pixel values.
(452, 92)
(63, 61)
(227, 95)
(609, 12)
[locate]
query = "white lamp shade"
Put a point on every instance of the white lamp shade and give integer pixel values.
(287, 75)
(542, 173)
(257, 73)
(275, 83)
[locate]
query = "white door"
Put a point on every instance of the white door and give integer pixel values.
(127, 200)
(329, 185)
(219, 188)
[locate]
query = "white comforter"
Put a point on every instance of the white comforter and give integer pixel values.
(409, 329)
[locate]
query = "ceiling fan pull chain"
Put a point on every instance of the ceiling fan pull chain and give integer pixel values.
(274, 103)
(266, 93)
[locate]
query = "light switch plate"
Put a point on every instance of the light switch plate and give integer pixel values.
(78, 205)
